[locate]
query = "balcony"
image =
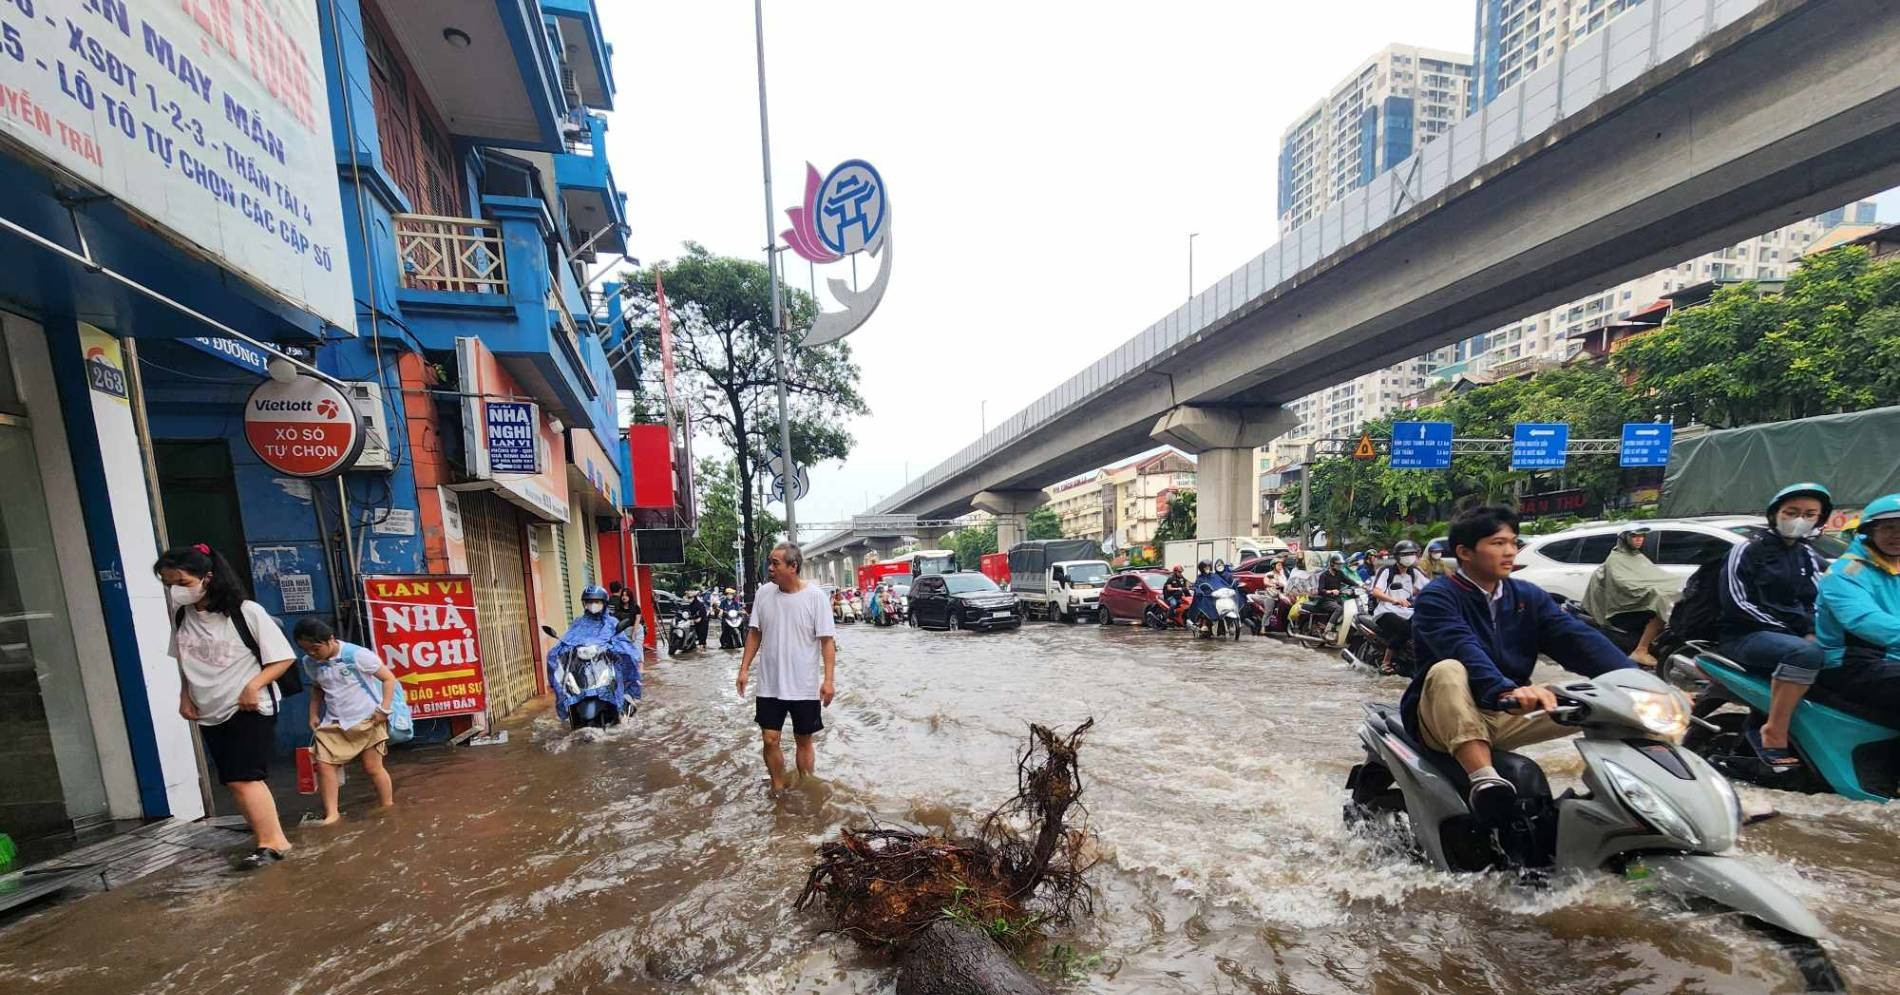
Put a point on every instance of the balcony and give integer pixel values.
(488, 67)
(494, 278)
(588, 194)
(587, 57)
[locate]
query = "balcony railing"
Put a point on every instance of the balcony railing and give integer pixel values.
(454, 254)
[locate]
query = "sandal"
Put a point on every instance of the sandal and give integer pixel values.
(260, 857)
(1778, 760)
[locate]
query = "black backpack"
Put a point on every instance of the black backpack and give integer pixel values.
(287, 685)
(1698, 613)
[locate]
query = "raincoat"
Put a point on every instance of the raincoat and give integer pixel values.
(1858, 616)
(596, 629)
(1629, 582)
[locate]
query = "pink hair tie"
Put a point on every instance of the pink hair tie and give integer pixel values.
(202, 548)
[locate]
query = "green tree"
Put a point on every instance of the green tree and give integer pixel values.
(1829, 342)
(727, 371)
(1044, 524)
(711, 554)
(1181, 520)
(971, 542)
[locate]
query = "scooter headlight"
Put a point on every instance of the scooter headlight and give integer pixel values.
(599, 675)
(1661, 713)
(1650, 805)
(588, 652)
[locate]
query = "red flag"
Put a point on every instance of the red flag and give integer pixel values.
(666, 341)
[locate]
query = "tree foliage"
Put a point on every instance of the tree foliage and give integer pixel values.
(711, 554)
(1044, 523)
(723, 349)
(1181, 520)
(971, 542)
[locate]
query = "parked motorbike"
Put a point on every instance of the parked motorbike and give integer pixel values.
(1366, 647)
(683, 637)
(590, 683)
(1844, 747)
(731, 629)
(1652, 811)
(1224, 620)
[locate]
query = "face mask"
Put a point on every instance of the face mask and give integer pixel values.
(595, 609)
(186, 594)
(1794, 528)
(1406, 561)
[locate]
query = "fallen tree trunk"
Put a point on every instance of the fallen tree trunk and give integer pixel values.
(941, 904)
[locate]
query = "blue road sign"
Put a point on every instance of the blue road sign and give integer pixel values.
(1421, 445)
(1646, 443)
(1539, 445)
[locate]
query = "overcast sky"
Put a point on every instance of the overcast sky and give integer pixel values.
(1045, 162)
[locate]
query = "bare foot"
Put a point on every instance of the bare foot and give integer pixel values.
(328, 820)
(1643, 657)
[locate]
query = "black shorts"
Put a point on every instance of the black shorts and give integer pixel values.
(807, 715)
(240, 746)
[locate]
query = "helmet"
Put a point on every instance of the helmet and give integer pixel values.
(730, 592)
(1803, 489)
(594, 592)
(1335, 559)
(1405, 547)
(1177, 568)
(1881, 509)
(1437, 546)
(1205, 565)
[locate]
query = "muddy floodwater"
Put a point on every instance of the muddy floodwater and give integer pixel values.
(651, 858)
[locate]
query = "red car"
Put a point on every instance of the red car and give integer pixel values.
(1252, 574)
(1127, 595)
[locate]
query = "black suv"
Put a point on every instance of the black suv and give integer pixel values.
(964, 600)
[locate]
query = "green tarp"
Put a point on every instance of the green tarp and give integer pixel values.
(1736, 471)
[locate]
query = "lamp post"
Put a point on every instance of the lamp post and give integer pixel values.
(1191, 237)
(771, 266)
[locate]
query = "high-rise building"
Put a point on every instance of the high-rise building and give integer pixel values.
(1395, 101)
(1382, 112)
(1514, 37)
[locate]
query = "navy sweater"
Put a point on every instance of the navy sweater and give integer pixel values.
(1452, 621)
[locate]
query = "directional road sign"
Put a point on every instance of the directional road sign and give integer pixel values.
(1421, 445)
(1646, 443)
(1539, 445)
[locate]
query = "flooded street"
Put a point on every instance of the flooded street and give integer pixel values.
(651, 859)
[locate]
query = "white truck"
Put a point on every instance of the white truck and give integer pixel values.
(1233, 550)
(1058, 579)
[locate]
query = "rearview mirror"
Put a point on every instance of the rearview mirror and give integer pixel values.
(625, 624)
(550, 631)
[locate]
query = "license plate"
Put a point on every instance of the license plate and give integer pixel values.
(1001, 614)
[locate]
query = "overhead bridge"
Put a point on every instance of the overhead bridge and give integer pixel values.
(1680, 127)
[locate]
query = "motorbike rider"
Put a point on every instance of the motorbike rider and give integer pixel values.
(1858, 620)
(1435, 564)
(1477, 635)
(595, 625)
(1395, 588)
(1205, 582)
(731, 602)
(1629, 590)
(1767, 592)
(699, 608)
(1328, 585)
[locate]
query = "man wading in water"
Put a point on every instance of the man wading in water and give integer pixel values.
(792, 621)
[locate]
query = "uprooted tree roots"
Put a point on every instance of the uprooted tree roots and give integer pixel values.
(1022, 870)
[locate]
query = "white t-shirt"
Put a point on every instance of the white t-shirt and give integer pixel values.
(346, 700)
(1400, 581)
(791, 661)
(217, 664)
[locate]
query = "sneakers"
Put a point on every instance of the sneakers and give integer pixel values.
(1492, 800)
(260, 857)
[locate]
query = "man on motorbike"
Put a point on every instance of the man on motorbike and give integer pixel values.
(1629, 590)
(596, 625)
(1768, 591)
(1395, 588)
(699, 608)
(1858, 620)
(1484, 630)
(1327, 587)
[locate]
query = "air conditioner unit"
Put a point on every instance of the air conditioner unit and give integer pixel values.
(367, 398)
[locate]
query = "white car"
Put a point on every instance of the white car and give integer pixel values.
(1562, 562)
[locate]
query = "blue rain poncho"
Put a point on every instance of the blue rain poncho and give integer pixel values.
(596, 629)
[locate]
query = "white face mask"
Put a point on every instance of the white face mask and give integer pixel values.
(1406, 561)
(595, 608)
(1794, 528)
(186, 594)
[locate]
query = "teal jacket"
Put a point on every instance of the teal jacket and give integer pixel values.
(1858, 616)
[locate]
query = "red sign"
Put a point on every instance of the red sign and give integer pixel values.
(423, 627)
(304, 428)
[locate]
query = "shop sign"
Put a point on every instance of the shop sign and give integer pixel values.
(424, 628)
(105, 365)
(1573, 502)
(210, 119)
(513, 430)
(238, 353)
(303, 428)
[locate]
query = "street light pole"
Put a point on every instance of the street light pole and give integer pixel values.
(771, 267)
(1191, 237)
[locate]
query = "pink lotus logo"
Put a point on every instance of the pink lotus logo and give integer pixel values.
(845, 212)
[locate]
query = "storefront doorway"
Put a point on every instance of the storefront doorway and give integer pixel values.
(492, 529)
(199, 491)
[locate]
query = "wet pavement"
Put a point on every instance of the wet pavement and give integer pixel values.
(652, 859)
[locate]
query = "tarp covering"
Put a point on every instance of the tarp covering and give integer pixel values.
(1736, 471)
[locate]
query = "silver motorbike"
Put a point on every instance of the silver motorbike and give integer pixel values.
(1649, 809)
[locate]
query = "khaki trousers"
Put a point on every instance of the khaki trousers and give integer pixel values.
(1448, 717)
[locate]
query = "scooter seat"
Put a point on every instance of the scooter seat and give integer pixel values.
(1818, 695)
(1517, 768)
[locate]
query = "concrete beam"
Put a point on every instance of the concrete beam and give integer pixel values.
(1223, 441)
(1011, 510)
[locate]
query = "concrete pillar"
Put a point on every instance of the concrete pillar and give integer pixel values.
(930, 538)
(884, 546)
(848, 569)
(1226, 478)
(1011, 509)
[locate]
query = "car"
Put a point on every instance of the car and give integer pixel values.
(962, 600)
(1251, 574)
(666, 604)
(1562, 562)
(1127, 595)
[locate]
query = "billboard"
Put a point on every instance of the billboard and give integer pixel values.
(211, 120)
(424, 627)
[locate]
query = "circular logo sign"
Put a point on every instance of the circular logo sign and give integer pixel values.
(850, 207)
(304, 428)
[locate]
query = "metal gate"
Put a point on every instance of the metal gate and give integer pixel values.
(492, 530)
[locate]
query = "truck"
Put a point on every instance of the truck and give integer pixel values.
(1059, 579)
(1188, 553)
(995, 566)
(931, 561)
(872, 574)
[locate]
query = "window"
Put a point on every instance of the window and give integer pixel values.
(415, 149)
(1680, 548)
(1595, 549)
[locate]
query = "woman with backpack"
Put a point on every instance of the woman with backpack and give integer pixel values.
(231, 655)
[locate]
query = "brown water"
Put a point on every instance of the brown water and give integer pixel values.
(651, 859)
